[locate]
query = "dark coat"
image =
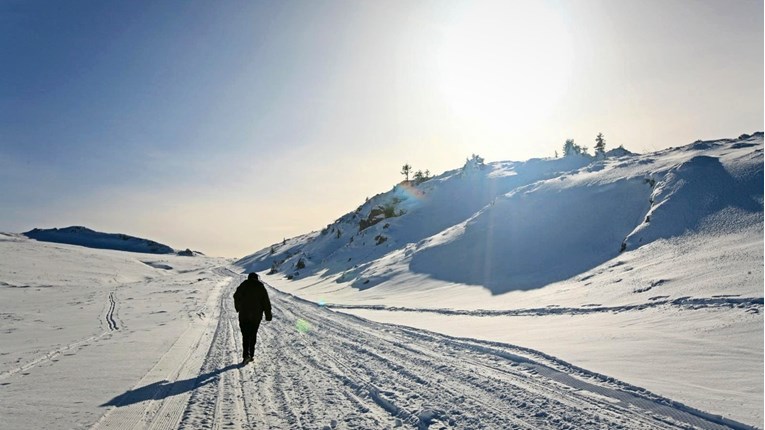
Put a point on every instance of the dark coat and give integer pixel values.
(251, 300)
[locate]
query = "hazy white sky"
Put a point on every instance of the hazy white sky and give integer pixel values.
(227, 126)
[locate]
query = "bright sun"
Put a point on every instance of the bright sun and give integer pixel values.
(504, 65)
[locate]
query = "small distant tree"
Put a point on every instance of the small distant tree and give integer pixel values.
(600, 145)
(474, 162)
(405, 170)
(274, 268)
(556, 154)
(427, 174)
(419, 176)
(570, 148)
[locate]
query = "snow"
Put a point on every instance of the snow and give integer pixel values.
(79, 325)
(681, 317)
(82, 236)
(648, 267)
(133, 346)
(553, 293)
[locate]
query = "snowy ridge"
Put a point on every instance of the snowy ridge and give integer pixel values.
(524, 225)
(86, 237)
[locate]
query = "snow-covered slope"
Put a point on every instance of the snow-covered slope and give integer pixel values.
(662, 328)
(81, 325)
(106, 339)
(646, 267)
(82, 236)
(522, 225)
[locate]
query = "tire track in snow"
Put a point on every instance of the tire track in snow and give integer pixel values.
(218, 401)
(160, 397)
(469, 393)
(336, 371)
(281, 391)
(230, 410)
(290, 389)
(352, 375)
(232, 392)
(456, 383)
(407, 377)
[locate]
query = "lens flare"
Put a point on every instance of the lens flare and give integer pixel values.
(410, 191)
(302, 326)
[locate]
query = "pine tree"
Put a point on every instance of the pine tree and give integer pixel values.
(405, 170)
(600, 145)
(570, 148)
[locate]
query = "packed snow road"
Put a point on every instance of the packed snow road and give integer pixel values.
(316, 368)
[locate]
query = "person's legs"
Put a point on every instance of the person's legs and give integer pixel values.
(254, 330)
(245, 327)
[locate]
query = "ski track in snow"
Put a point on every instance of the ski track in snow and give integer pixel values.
(111, 324)
(316, 368)
(51, 355)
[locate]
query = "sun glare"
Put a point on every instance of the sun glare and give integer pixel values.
(503, 65)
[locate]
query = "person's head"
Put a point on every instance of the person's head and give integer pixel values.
(252, 275)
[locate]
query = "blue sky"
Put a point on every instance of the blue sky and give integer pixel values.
(225, 126)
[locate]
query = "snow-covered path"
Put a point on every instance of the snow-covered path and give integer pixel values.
(316, 368)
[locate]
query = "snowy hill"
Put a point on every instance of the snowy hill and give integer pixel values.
(107, 339)
(646, 267)
(522, 225)
(86, 237)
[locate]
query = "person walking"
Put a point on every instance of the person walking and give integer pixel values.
(251, 302)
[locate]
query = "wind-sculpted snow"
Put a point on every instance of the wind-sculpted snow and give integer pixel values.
(537, 235)
(688, 193)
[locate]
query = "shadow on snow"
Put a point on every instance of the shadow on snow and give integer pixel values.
(164, 389)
